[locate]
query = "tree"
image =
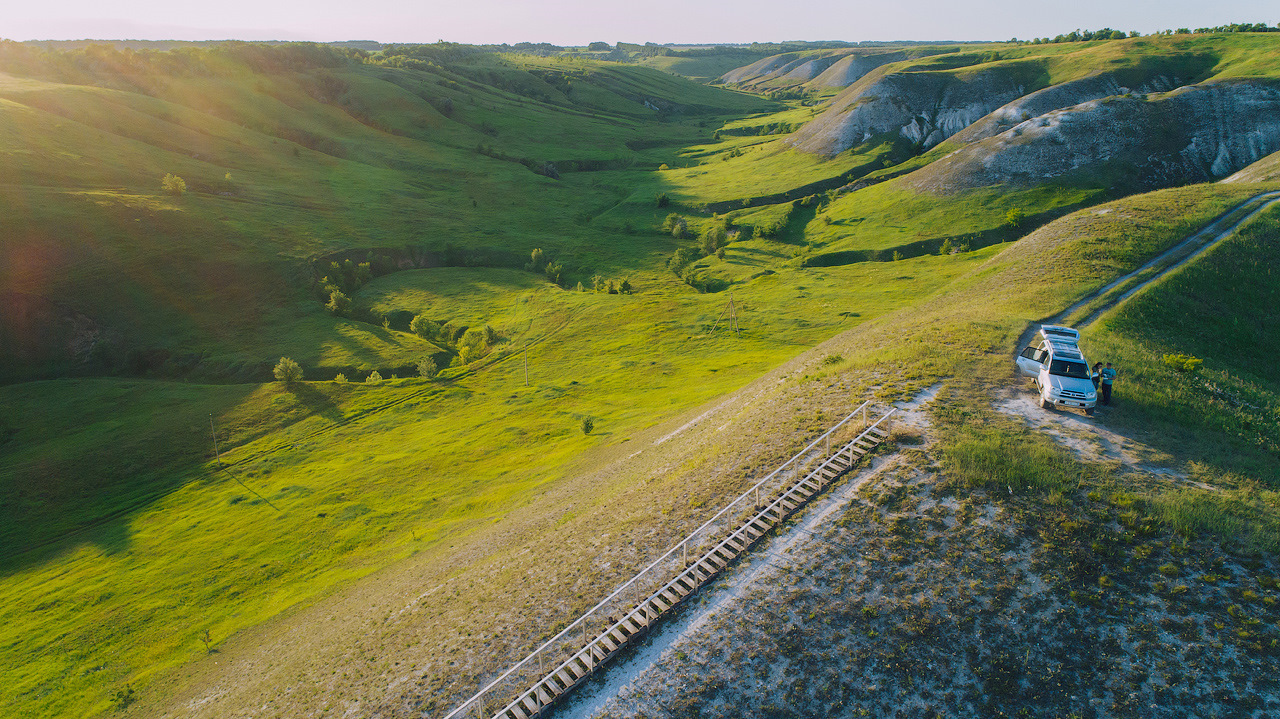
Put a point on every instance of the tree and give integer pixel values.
(474, 344)
(339, 304)
(588, 424)
(173, 184)
(340, 378)
(555, 273)
(373, 378)
(424, 328)
(599, 47)
(288, 371)
(538, 261)
(427, 367)
(625, 287)
(1015, 217)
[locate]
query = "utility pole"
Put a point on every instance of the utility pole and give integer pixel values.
(733, 318)
(215, 441)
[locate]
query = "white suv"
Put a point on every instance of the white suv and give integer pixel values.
(1059, 368)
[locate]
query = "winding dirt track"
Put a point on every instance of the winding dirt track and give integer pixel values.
(1219, 229)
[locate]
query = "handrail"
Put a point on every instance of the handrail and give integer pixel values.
(683, 542)
(671, 583)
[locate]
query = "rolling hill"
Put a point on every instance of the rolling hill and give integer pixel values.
(378, 539)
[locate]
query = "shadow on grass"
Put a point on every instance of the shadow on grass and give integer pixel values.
(93, 454)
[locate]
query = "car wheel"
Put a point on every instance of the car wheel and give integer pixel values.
(1045, 404)
(1089, 411)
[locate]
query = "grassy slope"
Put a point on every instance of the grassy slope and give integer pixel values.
(1220, 419)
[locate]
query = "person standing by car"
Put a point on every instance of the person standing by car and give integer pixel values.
(1108, 375)
(1095, 376)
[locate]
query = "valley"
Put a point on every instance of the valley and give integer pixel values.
(376, 540)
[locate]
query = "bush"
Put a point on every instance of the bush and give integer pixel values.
(341, 378)
(288, 371)
(1183, 363)
(427, 368)
(424, 328)
(662, 198)
(682, 258)
(588, 424)
(1014, 218)
(173, 184)
(555, 273)
(625, 287)
(339, 304)
(538, 260)
(373, 378)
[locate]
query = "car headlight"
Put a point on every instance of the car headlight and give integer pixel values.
(1091, 395)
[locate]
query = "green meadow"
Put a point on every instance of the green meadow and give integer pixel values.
(127, 535)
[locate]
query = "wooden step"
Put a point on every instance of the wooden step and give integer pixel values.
(737, 544)
(529, 704)
(516, 711)
(618, 635)
(786, 502)
(545, 696)
(606, 640)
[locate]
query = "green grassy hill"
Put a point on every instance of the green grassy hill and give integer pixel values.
(137, 322)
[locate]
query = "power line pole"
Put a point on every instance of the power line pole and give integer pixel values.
(215, 441)
(733, 318)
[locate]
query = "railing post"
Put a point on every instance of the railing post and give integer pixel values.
(685, 544)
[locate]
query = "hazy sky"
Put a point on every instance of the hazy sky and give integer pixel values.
(577, 22)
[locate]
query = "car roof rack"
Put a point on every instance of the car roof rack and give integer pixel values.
(1059, 333)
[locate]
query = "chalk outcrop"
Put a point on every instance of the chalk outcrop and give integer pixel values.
(1192, 134)
(836, 68)
(924, 107)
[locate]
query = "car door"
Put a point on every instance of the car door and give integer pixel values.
(1031, 360)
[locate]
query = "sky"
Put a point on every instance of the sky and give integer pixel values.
(577, 22)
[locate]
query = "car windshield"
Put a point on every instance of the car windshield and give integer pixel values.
(1063, 368)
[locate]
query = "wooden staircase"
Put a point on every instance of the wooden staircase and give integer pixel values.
(639, 617)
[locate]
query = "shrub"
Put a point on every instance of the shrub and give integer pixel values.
(1183, 363)
(580, 288)
(625, 287)
(664, 167)
(680, 229)
(475, 343)
(897, 255)
(555, 273)
(946, 247)
(491, 335)
(1014, 218)
(588, 424)
(341, 378)
(173, 184)
(538, 260)
(681, 259)
(373, 378)
(288, 371)
(339, 304)
(662, 198)
(424, 328)
(427, 368)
